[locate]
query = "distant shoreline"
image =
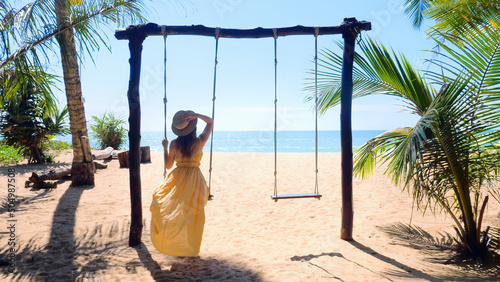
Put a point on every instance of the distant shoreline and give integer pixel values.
(300, 141)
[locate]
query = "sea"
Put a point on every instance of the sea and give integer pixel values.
(260, 141)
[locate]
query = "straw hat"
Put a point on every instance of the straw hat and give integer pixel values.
(182, 127)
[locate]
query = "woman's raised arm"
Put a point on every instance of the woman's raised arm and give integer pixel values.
(208, 128)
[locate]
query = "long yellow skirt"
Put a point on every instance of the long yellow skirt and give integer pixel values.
(178, 212)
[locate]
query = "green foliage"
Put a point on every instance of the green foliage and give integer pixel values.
(55, 145)
(28, 116)
(30, 30)
(49, 158)
(9, 155)
(451, 157)
(415, 10)
(454, 17)
(108, 130)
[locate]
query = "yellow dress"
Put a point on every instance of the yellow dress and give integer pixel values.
(178, 208)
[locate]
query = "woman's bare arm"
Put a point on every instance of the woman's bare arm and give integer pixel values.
(208, 128)
(168, 157)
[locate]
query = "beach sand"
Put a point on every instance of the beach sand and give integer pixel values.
(81, 234)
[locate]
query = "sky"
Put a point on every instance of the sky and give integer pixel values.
(245, 71)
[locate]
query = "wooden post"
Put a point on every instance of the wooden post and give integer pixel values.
(136, 37)
(123, 159)
(346, 131)
(145, 155)
(87, 155)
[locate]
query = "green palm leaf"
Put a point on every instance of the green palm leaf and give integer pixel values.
(34, 26)
(377, 71)
(415, 9)
(455, 17)
(451, 155)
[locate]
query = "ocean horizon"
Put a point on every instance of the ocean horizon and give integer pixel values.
(259, 141)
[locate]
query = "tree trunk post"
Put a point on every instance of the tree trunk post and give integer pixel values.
(136, 37)
(346, 131)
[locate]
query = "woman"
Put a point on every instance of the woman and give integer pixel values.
(178, 207)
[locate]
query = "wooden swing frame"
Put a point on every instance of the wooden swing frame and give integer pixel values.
(136, 34)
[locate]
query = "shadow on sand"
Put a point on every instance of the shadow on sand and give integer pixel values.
(439, 249)
(32, 260)
(194, 269)
(77, 255)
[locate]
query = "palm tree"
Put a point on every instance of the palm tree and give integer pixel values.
(33, 28)
(451, 156)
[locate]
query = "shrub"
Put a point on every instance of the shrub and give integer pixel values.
(55, 145)
(108, 131)
(9, 155)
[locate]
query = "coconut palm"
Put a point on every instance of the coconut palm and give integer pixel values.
(33, 28)
(450, 158)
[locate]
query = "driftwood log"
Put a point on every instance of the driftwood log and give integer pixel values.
(106, 153)
(50, 175)
(144, 157)
(99, 165)
(47, 179)
(41, 184)
(45, 184)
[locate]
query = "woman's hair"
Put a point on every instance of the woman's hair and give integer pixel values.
(185, 143)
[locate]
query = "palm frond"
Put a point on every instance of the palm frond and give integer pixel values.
(366, 156)
(455, 17)
(376, 71)
(415, 10)
(35, 25)
(21, 79)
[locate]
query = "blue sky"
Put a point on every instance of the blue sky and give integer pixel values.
(245, 90)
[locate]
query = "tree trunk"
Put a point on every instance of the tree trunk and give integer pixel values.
(36, 155)
(77, 121)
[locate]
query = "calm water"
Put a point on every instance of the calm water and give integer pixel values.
(262, 141)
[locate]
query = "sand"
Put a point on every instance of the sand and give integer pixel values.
(81, 234)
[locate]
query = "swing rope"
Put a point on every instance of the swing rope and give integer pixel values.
(316, 194)
(217, 34)
(275, 34)
(164, 89)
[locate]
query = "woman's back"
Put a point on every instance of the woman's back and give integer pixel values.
(194, 159)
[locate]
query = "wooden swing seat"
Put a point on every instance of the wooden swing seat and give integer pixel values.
(296, 196)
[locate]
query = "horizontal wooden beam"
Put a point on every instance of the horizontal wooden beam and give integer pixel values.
(259, 32)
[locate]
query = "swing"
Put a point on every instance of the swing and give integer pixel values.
(217, 33)
(136, 34)
(315, 194)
